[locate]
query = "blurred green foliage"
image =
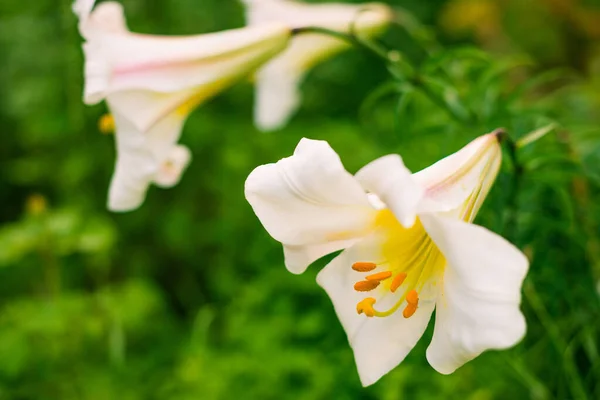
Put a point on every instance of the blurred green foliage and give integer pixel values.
(187, 297)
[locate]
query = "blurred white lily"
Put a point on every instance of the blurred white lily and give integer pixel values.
(408, 241)
(151, 83)
(277, 93)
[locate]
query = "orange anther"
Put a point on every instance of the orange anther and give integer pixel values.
(409, 310)
(398, 280)
(412, 297)
(365, 286)
(379, 276)
(364, 266)
(366, 306)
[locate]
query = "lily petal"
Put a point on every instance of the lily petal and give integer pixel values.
(118, 60)
(140, 156)
(151, 83)
(134, 169)
(337, 16)
(392, 182)
(383, 343)
(171, 169)
(277, 95)
(146, 108)
(106, 17)
(379, 344)
(83, 8)
(452, 181)
(309, 199)
(298, 258)
(479, 305)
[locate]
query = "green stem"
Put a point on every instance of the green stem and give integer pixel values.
(398, 67)
(417, 31)
(510, 222)
(379, 51)
(419, 83)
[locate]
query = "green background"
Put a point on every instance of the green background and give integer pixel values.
(188, 298)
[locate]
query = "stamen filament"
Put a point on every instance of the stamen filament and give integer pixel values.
(412, 261)
(429, 266)
(423, 246)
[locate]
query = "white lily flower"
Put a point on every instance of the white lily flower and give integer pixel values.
(151, 83)
(277, 94)
(171, 169)
(408, 241)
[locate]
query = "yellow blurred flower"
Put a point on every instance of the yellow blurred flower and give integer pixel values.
(480, 17)
(36, 204)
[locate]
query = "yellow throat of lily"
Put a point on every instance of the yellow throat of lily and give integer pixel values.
(411, 261)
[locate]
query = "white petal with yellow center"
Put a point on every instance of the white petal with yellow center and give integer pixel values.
(379, 344)
(406, 259)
